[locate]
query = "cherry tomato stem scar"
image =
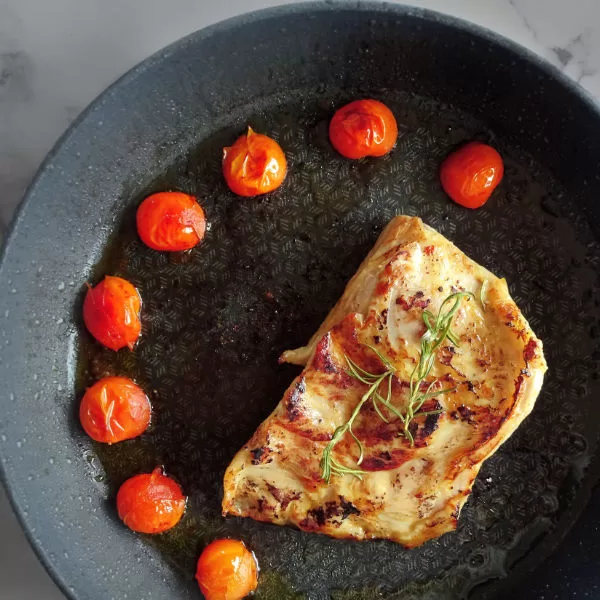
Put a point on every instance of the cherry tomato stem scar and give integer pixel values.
(171, 221)
(114, 409)
(470, 174)
(227, 570)
(150, 502)
(363, 128)
(254, 165)
(111, 312)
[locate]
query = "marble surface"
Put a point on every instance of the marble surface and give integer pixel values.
(55, 57)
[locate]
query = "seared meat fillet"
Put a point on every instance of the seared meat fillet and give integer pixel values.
(409, 493)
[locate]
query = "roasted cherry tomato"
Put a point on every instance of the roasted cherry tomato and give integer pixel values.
(111, 312)
(363, 128)
(470, 174)
(171, 221)
(227, 570)
(114, 409)
(254, 165)
(150, 502)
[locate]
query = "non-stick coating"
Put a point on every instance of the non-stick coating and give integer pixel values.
(271, 268)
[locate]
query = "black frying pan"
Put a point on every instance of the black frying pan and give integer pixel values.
(212, 333)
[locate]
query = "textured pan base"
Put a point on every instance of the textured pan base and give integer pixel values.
(215, 321)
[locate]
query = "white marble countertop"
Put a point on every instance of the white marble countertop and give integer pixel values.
(55, 57)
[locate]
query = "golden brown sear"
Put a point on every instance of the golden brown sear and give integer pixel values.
(409, 493)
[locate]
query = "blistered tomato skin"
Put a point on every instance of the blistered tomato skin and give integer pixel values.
(111, 313)
(114, 409)
(227, 570)
(171, 221)
(254, 165)
(363, 128)
(150, 502)
(470, 174)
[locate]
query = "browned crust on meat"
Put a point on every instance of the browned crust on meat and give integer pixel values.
(409, 494)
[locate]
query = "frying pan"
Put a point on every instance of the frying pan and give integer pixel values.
(269, 270)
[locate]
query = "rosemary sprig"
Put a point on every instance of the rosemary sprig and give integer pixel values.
(438, 328)
(328, 464)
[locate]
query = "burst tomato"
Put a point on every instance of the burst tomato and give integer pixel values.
(363, 128)
(150, 502)
(226, 570)
(254, 165)
(111, 312)
(470, 174)
(170, 221)
(114, 409)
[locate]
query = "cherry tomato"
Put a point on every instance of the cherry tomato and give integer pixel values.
(150, 502)
(470, 174)
(363, 128)
(111, 312)
(254, 165)
(114, 409)
(227, 570)
(171, 221)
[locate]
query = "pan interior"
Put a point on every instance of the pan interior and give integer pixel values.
(215, 320)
